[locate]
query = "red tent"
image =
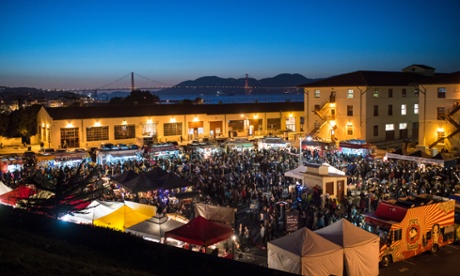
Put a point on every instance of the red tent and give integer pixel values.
(21, 192)
(200, 231)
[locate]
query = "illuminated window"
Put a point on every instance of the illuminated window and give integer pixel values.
(171, 129)
(403, 109)
(402, 125)
(389, 127)
(97, 133)
(415, 108)
(441, 134)
(441, 92)
(124, 132)
(349, 129)
(69, 136)
(350, 93)
(317, 93)
(376, 93)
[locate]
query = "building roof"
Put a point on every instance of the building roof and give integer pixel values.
(451, 78)
(368, 78)
(108, 111)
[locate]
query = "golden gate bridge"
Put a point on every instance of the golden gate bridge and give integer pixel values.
(159, 85)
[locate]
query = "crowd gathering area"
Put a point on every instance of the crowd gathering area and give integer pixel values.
(243, 195)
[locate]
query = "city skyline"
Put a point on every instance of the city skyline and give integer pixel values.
(57, 44)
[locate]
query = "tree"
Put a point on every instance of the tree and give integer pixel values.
(23, 122)
(141, 97)
(64, 192)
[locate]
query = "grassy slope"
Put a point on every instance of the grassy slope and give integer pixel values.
(34, 245)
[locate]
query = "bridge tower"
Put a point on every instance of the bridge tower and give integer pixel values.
(246, 86)
(132, 81)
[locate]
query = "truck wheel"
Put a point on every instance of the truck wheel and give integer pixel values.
(386, 261)
(434, 249)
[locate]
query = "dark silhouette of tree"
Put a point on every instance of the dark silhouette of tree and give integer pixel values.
(65, 192)
(4, 120)
(116, 101)
(141, 97)
(23, 122)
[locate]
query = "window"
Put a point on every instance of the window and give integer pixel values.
(402, 125)
(390, 93)
(376, 93)
(441, 113)
(441, 134)
(415, 108)
(390, 110)
(330, 188)
(349, 129)
(376, 110)
(171, 129)
(350, 94)
(441, 92)
(273, 124)
(416, 92)
(97, 133)
(389, 127)
(376, 130)
(317, 93)
(290, 123)
(124, 132)
(349, 110)
(403, 109)
(404, 92)
(69, 137)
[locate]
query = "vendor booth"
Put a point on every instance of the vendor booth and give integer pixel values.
(200, 231)
(331, 180)
(306, 253)
(361, 249)
(154, 229)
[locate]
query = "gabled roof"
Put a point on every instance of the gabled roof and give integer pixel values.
(368, 78)
(452, 78)
(108, 111)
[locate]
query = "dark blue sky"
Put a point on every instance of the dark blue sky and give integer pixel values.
(88, 44)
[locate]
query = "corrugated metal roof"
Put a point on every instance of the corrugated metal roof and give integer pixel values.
(108, 111)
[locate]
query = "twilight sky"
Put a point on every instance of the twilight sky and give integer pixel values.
(89, 44)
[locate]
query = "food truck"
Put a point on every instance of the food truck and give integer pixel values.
(238, 145)
(412, 225)
(357, 147)
(319, 146)
(273, 142)
(154, 151)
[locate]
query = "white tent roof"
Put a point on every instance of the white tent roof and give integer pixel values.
(298, 172)
(361, 248)
(96, 210)
(4, 189)
(155, 227)
(305, 252)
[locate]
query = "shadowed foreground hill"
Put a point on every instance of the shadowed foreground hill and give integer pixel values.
(36, 245)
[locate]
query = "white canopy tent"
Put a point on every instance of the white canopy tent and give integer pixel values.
(4, 189)
(307, 253)
(360, 247)
(96, 210)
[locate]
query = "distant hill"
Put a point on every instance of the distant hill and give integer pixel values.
(204, 86)
(212, 85)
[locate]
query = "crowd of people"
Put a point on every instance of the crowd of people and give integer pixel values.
(254, 182)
